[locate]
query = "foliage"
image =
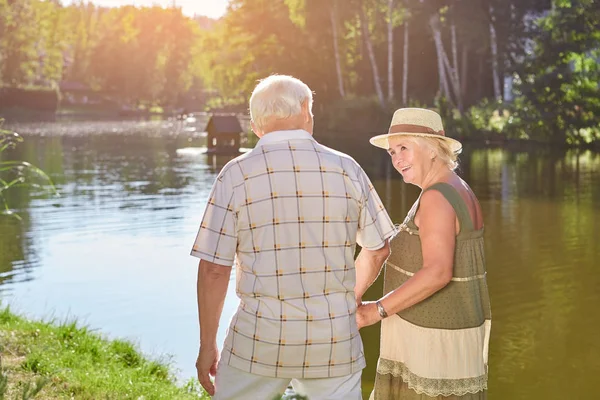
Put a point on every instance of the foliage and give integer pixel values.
(17, 173)
(560, 82)
(238, 51)
(136, 55)
(152, 56)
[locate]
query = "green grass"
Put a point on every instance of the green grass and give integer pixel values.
(69, 361)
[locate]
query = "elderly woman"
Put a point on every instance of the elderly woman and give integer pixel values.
(435, 312)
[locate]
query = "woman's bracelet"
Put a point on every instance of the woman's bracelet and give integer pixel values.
(381, 310)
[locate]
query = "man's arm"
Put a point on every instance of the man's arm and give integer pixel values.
(437, 232)
(213, 280)
(374, 226)
(368, 265)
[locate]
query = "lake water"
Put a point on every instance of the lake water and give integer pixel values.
(112, 250)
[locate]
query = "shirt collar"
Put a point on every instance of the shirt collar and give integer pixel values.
(280, 136)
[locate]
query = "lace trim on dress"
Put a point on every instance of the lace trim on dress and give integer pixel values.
(431, 386)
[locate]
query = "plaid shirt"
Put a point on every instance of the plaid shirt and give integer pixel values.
(289, 214)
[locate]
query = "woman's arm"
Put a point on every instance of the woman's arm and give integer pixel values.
(437, 230)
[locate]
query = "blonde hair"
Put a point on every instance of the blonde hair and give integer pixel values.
(279, 97)
(441, 149)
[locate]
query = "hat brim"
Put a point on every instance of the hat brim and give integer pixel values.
(381, 141)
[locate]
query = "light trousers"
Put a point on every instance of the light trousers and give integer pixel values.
(234, 384)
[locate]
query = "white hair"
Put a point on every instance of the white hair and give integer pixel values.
(279, 97)
(440, 148)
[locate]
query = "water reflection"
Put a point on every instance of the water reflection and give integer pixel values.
(113, 249)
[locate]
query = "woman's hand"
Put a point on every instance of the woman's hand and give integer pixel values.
(367, 314)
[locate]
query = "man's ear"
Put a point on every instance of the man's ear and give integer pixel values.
(256, 131)
(306, 114)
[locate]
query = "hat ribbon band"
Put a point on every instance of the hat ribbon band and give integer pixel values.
(409, 128)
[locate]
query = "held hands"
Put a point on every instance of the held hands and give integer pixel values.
(367, 314)
(206, 365)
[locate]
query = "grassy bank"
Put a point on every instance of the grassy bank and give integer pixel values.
(69, 361)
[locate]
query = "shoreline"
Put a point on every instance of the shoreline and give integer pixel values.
(163, 127)
(64, 359)
(114, 125)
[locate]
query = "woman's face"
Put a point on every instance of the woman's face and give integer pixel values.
(412, 160)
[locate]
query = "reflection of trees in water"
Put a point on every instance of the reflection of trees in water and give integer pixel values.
(17, 256)
(541, 247)
(135, 163)
(91, 170)
(217, 161)
(507, 174)
(15, 244)
(116, 171)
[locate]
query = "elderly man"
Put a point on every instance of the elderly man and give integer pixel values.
(288, 214)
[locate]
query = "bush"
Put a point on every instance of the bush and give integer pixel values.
(16, 173)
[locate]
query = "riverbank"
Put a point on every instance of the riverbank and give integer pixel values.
(487, 123)
(66, 360)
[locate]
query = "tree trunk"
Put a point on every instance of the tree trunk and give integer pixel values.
(463, 71)
(434, 23)
(338, 68)
(367, 39)
(405, 66)
(480, 89)
(390, 37)
(455, 69)
(494, 48)
(451, 69)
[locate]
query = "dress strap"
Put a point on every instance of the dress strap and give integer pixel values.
(457, 202)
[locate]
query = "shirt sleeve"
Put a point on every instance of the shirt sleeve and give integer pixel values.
(374, 223)
(216, 241)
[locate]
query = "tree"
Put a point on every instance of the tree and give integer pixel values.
(52, 42)
(180, 40)
(434, 23)
(560, 80)
(369, 44)
(405, 64)
(494, 48)
(18, 42)
(390, 40)
(334, 28)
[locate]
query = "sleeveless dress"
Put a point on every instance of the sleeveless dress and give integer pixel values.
(437, 348)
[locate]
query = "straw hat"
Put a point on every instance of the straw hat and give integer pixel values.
(416, 122)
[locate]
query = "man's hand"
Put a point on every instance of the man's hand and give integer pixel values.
(367, 314)
(213, 280)
(206, 365)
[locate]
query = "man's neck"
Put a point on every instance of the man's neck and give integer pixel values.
(283, 127)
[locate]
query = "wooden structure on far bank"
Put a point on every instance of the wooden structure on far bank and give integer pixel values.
(223, 134)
